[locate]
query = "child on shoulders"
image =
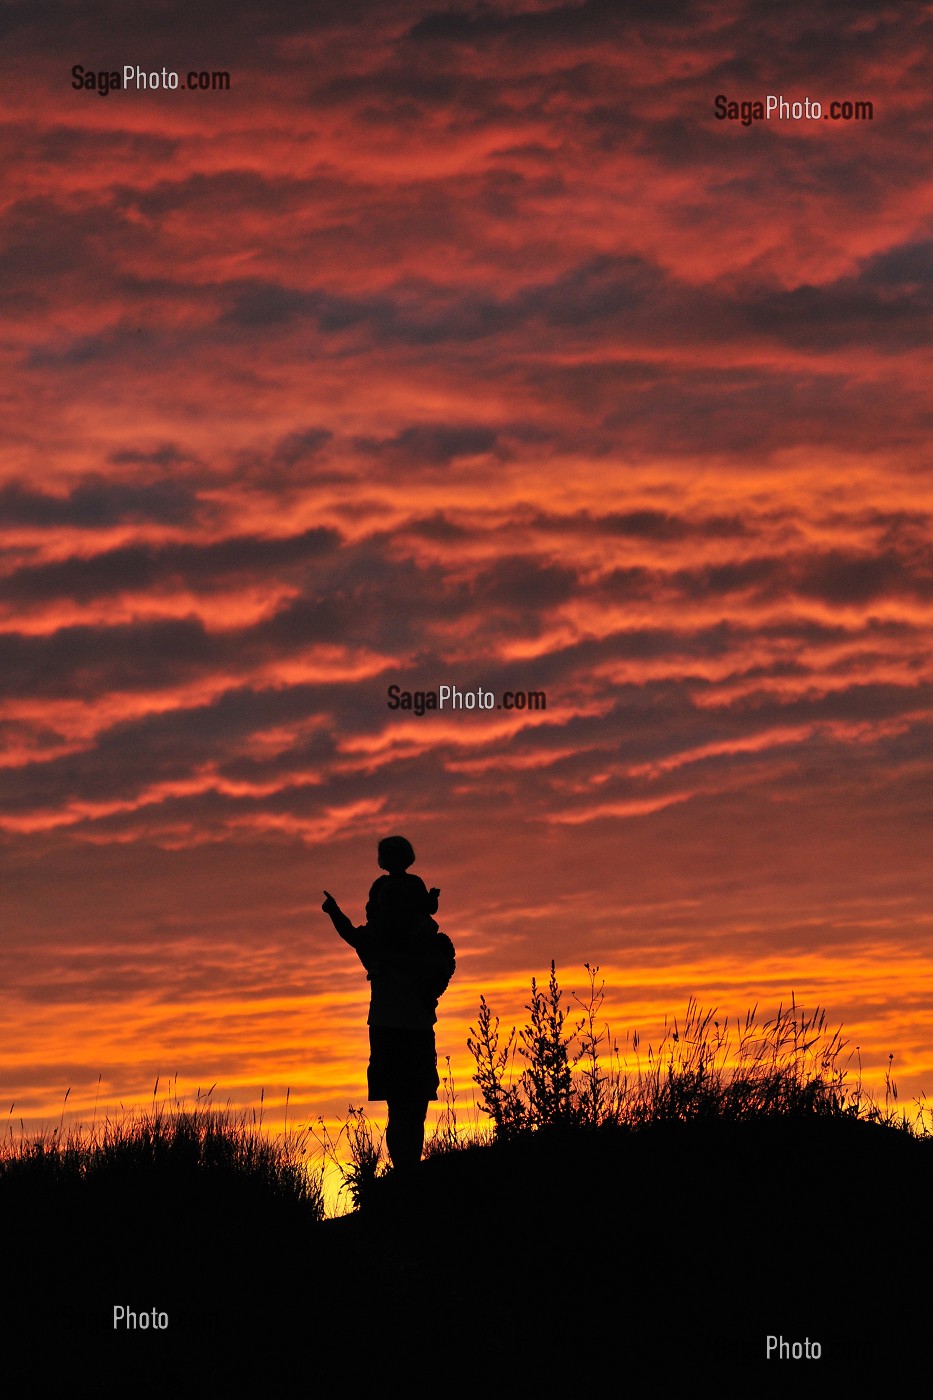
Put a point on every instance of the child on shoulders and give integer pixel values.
(398, 902)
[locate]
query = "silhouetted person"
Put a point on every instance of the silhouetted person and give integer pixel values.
(409, 963)
(399, 902)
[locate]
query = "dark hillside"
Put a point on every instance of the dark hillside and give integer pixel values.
(680, 1246)
(572, 1258)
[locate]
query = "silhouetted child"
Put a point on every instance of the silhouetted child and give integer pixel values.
(399, 911)
(400, 903)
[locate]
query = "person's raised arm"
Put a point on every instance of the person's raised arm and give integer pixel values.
(341, 921)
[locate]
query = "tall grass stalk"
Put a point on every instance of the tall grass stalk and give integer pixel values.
(451, 1132)
(366, 1149)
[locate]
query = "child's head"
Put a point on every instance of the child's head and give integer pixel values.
(395, 854)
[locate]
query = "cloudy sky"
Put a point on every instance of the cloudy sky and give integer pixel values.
(459, 344)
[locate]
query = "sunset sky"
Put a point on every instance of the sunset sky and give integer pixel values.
(459, 344)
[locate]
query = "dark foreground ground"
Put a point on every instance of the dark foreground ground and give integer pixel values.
(578, 1264)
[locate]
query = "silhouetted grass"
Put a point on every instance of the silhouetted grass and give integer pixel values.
(193, 1211)
(187, 1147)
(366, 1150)
(730, 1141)
(548, 1075)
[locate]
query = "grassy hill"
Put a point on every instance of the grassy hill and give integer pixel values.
(613, 1233)
(582, 1256)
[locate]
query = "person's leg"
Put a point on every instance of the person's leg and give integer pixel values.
(405, 1130)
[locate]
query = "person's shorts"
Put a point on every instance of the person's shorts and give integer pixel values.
(402, 1063)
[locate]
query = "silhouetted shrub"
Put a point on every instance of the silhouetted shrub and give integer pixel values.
(789, 1066)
